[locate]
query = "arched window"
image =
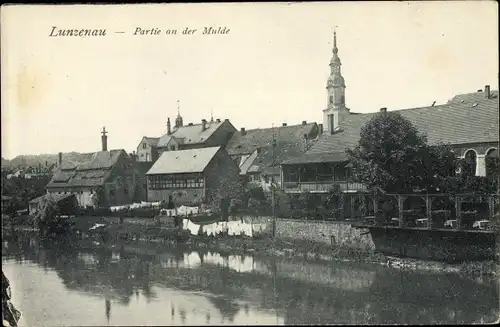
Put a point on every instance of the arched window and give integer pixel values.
(470, 161)
(492, 162)
(331, 99)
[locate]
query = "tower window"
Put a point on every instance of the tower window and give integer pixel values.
(331, 99)
(144, 145)
(342, 99)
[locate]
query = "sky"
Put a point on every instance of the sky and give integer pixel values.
(271, 68)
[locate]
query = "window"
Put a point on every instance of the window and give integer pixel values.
(111, 192)
(266, 179)
(331, 99)
(172, 147)
(144, 145)
(469, 163)
(175, 182)
(125, 190)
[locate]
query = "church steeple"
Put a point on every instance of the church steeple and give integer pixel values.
(178, 120)
(335, 86)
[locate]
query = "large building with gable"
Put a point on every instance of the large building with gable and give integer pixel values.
(183, 137)
(468, 122)
(113, 175)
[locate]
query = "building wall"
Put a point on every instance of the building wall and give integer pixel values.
(121, 184)
(82, 194)
(222, 135)
(187, 197)
(480, 148)
(145, 151)
(222, 179)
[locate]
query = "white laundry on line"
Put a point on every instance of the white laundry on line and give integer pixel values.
(193, 228)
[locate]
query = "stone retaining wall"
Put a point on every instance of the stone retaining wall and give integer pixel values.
(335, 233)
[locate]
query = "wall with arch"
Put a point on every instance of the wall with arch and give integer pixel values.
(479, 151)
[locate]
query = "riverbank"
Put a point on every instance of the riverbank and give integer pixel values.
(266, 246)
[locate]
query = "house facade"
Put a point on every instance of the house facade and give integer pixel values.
(192, 177)
(182, 137)
(258, 152)
(468, 122)
(113, 176)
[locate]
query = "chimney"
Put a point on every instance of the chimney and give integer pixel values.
(243, 132)
(320, 126)
(203, 125)
(487, 91)
(104, 139)
(383, 109)
(217, 120)
(169, 130)
(304, 122)
(433, 104)
(60, 159)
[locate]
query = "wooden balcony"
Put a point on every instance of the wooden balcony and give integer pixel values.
(321, 187)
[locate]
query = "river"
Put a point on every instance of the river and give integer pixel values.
(147, 285)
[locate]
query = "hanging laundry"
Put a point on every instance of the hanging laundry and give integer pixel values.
(247, 230)
(193, 228)
(210, 229)
(230, 228)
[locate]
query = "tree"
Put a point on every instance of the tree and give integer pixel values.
(392, 156)
(253, 206)
(47, 220)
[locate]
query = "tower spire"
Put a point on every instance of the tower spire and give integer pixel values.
(336, 108)
(178, 120)
(335, 49)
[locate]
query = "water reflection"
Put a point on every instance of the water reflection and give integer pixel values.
(211, 288)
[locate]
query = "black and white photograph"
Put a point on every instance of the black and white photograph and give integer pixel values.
(274, 163)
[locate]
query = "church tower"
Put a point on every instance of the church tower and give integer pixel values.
(335, 110)
(178, 120)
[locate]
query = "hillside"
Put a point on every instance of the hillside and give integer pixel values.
(43, 159)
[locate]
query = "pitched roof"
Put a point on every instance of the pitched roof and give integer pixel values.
(102, 160)
(152, 141)
(190, 134)
(183, 161)
(91, 173)
(261, 137)
(263, 162)
(465, 119)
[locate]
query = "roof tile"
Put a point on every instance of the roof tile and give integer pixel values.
(183, 161)
(465, 119)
